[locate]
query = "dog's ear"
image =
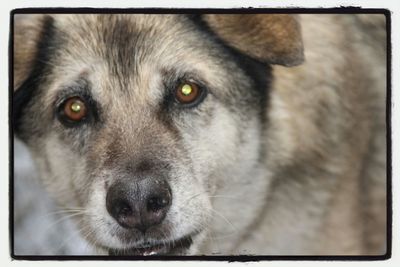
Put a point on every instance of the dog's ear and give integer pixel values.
(30, 56)
(269, 38)
(27, 32)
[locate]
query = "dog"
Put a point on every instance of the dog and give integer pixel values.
(209, 134)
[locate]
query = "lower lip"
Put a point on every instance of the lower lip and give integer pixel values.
(171, 248)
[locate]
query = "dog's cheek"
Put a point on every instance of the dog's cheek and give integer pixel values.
(73, 185)
(62, 170)
(208, 154)
(190, 209)
(222, 152)
(214, 146)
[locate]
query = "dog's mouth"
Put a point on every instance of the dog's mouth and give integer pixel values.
(175, 247)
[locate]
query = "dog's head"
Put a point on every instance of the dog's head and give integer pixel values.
(139, 120)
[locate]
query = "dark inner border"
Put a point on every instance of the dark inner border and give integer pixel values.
(239, 258)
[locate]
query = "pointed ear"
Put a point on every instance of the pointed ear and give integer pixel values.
(270, 38)
(27, 32)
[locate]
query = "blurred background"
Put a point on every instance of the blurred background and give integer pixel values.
(40, 228)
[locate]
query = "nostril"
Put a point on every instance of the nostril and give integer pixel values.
(120, 206)
(125, 214)
(123, 209)
(157, 203)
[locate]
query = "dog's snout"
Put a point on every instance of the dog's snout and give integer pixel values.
(139, 204)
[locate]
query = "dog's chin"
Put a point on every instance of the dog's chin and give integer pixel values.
(174, 247)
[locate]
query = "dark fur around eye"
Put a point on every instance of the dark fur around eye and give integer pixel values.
(80, 92)
(172, 82)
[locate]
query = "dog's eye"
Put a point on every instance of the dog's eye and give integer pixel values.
(187, 93)
(74, 109)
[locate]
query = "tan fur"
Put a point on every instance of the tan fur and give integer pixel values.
(25, 39)
(334, 99)
(271, 38)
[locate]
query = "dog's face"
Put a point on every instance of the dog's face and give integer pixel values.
(138, 120)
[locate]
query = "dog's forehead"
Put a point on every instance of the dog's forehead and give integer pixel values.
(112, 50)
(131, 51)
(110, 27)
(123, 45)
(124, 39)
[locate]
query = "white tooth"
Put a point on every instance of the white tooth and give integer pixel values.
(149, 253)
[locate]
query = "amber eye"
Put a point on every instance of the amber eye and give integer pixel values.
(75, 109)
(187, 93)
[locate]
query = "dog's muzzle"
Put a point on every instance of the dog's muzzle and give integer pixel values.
(140, 204)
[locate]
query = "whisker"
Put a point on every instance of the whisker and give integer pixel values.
(63, 218)
(224, 218)
(224, 196)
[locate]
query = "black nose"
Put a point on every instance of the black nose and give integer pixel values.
(139, 204)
